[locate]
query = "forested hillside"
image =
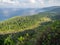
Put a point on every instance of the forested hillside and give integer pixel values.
(44, 34)
(39, 29)
(22, 23)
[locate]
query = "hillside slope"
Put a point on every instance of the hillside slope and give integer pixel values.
(44, 34)
(22, 23)
(50, 34)
(39, 29)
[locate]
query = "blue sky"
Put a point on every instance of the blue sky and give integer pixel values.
(29, 3)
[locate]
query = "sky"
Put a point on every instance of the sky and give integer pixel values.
(28, 3)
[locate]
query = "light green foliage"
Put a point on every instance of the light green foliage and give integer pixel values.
(22, 23)
(8, 41)
(21, 39)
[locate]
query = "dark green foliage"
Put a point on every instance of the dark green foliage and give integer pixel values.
(51, 35)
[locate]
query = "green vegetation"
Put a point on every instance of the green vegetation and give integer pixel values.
(40, 29)
(50, 35)
(18, 23)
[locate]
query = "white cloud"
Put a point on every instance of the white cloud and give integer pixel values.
(28, 3)
(33, 1)
(7, 1)
(41, 1)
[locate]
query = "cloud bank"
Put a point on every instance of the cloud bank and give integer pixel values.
(28, 3)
